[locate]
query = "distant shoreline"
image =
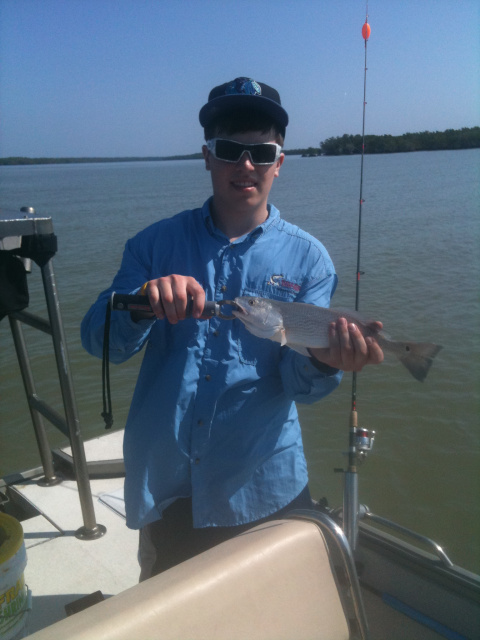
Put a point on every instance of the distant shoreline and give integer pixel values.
(451, 139)
(86, 160)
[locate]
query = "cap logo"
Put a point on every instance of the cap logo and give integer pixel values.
(243, 86)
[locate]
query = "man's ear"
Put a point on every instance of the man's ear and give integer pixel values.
(279, 164)
(206, 155)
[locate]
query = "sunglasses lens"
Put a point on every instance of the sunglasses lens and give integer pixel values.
(230, 151)
(263, 153)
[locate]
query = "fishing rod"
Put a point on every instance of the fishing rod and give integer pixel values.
(360, 440)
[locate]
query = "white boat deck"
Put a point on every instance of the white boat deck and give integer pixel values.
(61, 568)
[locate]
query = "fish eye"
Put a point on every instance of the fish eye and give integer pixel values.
(251, 302)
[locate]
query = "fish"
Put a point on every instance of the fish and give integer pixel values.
(302, 326)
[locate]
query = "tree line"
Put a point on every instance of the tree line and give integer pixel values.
(14, 160)
(466, 138)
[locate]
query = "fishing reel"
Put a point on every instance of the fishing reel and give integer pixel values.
(364, 439)
(362, 444)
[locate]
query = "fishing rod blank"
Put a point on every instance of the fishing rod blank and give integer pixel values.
(360, 440)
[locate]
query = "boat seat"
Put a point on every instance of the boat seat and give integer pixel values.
(274, 581)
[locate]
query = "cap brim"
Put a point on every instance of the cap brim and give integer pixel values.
(219, 105)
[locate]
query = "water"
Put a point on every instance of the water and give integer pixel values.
(420, 247)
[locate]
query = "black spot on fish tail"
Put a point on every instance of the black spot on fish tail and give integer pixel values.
(419, 357)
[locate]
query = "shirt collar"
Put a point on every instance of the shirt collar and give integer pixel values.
(273, 216)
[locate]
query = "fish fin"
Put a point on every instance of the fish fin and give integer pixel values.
(419, 357)
(299, 348)
(278, 336)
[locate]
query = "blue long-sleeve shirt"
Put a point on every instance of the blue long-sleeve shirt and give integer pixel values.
(213, 414)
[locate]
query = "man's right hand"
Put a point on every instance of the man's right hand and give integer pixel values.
(169, 295)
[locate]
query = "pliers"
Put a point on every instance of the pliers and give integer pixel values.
(129, 302)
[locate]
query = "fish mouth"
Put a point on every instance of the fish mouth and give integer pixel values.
(238, 309)
(238, 306)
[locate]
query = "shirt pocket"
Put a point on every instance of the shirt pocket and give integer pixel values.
(261, 353)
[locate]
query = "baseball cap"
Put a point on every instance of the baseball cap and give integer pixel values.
(243, 92)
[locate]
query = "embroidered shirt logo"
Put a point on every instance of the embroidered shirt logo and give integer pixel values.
(279, 281)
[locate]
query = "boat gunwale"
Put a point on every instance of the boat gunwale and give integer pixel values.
(463, 582)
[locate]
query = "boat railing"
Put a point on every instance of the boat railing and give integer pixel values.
(338, 545)
(432, 546)
(27, 237)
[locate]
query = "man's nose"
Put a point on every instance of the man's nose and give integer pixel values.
(246, 159)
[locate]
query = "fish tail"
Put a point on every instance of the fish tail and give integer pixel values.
(418, 357)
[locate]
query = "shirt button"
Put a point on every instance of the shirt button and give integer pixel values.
(208, 377)
(223, 288)
(216, 333)
(200, 423)
(197, 460)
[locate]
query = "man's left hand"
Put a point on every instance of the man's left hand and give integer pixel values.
(348, 349)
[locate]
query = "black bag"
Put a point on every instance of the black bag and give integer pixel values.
(13, 284)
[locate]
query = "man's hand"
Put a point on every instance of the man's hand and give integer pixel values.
(348, 349)
(169, 295)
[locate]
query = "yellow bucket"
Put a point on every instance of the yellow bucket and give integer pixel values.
(13, 592)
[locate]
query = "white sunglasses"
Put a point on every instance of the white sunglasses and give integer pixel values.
(231, 151)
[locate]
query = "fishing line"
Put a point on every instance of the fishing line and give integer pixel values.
(107, 414)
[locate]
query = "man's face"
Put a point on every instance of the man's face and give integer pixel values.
(242, 185)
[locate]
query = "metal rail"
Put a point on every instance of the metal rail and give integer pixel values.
(435, 548)
(11, 226)
(337, 543)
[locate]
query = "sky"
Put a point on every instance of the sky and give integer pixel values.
(106, 78)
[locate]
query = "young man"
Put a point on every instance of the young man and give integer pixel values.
(212, 442)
